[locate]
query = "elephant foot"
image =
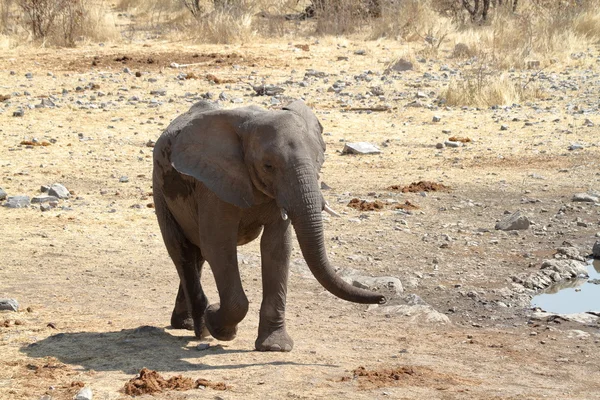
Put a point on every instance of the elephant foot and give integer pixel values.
(182, 322)
(277, 340)
(212, 320)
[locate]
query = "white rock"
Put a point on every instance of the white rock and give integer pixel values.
(84, 394)
(360, 148)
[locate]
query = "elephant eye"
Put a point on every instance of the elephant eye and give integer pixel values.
(268, 167)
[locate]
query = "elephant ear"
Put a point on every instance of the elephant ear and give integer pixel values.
(209, 149)
(314, 126)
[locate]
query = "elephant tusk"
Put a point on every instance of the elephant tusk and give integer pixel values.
(330, 211)
(284, 215)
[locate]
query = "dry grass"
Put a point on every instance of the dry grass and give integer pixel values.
(482, 87)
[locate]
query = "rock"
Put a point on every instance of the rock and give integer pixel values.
(2, 194)
(422, 95)
(9, 305)
(567, 269)
(124, 179)
(268, 90)
(503, 127)
(84, 394)
(571, 252)
(400, 65)
(450, 143)
(158, 92)
(360, 148)
(440, 145)
(514, 222)
(59, 191)
(150, 143)
(596, 249)
(589, 123)
(582, 318)
(378, 283)
(43, 199)
(415, 313)
(19, 113)
(575, 146)
(17, 202)
(584, 197)
(436, 118)
(203, 346)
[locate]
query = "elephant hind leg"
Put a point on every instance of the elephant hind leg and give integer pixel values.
(191, 302)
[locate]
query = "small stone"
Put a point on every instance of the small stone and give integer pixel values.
(268, 90)
(596, 249)
(450, 143)
(84, 394)
(379, 283)
(17, 202)
(275, 101)
(575, 146)
(422, 95)
(589, 123)
(124, 179)
(584, 197)
(29, 75)
(44, 188)
(440, 145)
(503, 127)
(360, 148)
(515, 221)
(158, 92)
(19, 113)
(203, 346)
(59, 191)
(401, 65)
(360, 52)
(2, 194)
(43, 199)
(436, 118)
(9, 305)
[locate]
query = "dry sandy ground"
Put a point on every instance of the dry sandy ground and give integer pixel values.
(92, 275)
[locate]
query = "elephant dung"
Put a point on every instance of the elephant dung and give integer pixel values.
(388, 283)
(9, 305)
(360, 148)
(513, 222)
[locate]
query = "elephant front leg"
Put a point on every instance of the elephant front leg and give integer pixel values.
(218, 238)
(275, 249)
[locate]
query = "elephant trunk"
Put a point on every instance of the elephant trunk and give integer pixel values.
(305, 206)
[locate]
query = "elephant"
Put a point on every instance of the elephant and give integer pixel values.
(220, 177)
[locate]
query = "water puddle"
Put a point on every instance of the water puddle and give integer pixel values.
(572, 296)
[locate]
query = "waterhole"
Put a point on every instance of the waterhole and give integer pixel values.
(572, 296)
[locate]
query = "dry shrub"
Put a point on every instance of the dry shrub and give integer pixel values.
(482, 87)
(226, 24)
(411, 20)
(340, 17)
(541, 31)
(57, 22)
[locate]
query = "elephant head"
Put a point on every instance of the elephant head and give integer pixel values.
(248, 155)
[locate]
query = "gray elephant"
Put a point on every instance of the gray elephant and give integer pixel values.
(220, 177)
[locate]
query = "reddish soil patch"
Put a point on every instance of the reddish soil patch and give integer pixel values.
(460, 139)
(421, 186)
(405, 376)
(150, 382)
(364, 205)
(406, 206)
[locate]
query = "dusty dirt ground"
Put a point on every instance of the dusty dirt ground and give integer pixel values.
(96, 286)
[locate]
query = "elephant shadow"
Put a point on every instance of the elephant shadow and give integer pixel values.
(129, 350)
